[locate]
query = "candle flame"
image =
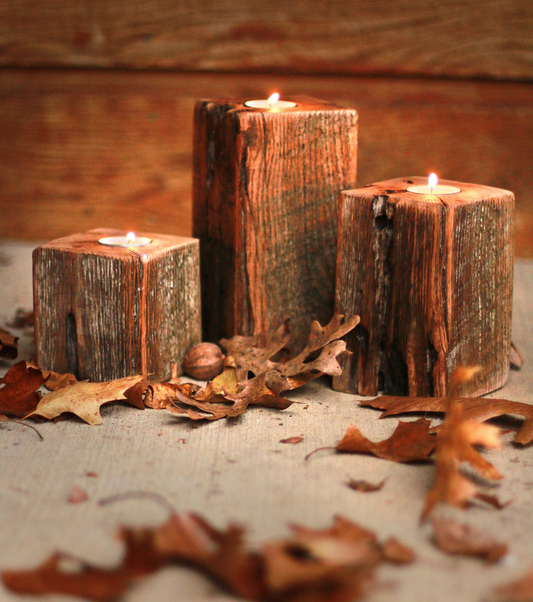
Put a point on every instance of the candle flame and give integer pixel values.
(273, 99)
(130, 237)
(433, 180)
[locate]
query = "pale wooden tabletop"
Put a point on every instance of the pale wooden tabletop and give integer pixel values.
(240, 472)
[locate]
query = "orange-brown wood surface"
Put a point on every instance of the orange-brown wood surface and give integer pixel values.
(478, 38)
(431, 277)
(84, 149)
(266, 190)
(104, 312)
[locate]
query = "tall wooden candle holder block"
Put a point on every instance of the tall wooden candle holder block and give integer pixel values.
(105, 312)
(266, 189)
(431, 277)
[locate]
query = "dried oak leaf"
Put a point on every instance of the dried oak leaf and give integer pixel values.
(365, 486)
(455, 538)
(87, 582)
(184, 538)
(135, 394)
(520, 590)
(55, 380)
(20, 394)
(474, 408)
(222, 555)
(84, 399)
(22, 319)
(230, 393)
(292, 440)
(456, 439)
(326, 564)
(159, 395)
(8, 345)
(77, 495)
(410, 442)
(330, 565)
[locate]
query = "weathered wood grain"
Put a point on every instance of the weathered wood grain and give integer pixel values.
(108, 312)
(432, 278)
(479, 38)
(79, 150)
(265, 196)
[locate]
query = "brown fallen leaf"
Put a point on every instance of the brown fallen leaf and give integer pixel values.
(517, 359)
(8, 345)
(324, 565)
(159, 395)
(55, 380)
(86, 582)
(77, 495)
(22, 319)
(20, 394)
(292, 440)
(410, 442)
(60, 381)
(455, 538)
(456, 439)
(365, 486)
(135, 394)
(474, 408)
(520, 590)
(84, 399)
(396, 552)
(232, 392)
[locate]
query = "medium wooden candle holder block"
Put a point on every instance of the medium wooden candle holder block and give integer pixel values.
(431, 278)
(266, 189)
(105, 312)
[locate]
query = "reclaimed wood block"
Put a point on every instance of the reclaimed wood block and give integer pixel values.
(431, 278)
(265, 208)
(104, 312)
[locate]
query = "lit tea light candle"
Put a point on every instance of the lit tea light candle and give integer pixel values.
(271, 103)
(433, 187)
(130, 240)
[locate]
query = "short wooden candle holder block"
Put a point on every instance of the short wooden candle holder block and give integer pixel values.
(105, 312)
(431, 277)
(265, 207)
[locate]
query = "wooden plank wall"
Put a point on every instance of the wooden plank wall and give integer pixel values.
(96, 97)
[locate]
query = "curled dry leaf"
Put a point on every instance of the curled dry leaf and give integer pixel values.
(517, 359)
(365, 486)
(520, 590)
(77, 495)
(410, 442)
(8, 345)
(456, 439)
(20, 394)
(455, 538)
(232, 392)
(22, 319)
(292, 440)
(159, 395)
(474, 408)
(135, 394)
(84, 399)
(328, 565)
(54, 380)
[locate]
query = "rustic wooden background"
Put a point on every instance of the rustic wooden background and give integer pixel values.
(96, 97)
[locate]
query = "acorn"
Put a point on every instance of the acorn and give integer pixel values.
(204, 361)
